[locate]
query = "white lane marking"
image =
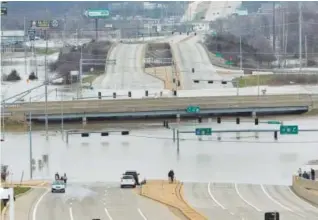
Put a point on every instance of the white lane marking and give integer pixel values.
(71, 213)
(37, 204)
(303, 201)
(142, 214)
(275, 201)
(212, 197)
(247, 202)
(108, 215)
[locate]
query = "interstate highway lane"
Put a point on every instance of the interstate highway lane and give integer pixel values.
(104, 201)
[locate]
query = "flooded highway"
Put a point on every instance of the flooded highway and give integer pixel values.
(152, 152)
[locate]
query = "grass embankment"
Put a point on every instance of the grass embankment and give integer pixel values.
(92, 76)
(277, 80)
(43, 51)
(18, 191)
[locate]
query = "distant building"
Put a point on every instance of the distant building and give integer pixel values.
(10, 40)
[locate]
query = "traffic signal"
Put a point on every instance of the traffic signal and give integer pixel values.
(85, 134)
(256, 121)
(237, 121)
(99, 95)
(114, 95)
(104, 134)
(192, 70)
(125, 133)
(219, 120)
(129, 94)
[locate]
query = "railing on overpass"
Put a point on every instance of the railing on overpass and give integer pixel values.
(179, 104)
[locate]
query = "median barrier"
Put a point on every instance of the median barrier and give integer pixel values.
(306, 189)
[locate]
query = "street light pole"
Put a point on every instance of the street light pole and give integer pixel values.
(46, 89)
(30, 144)
(241, 64)
(62, 116)
(300, 35)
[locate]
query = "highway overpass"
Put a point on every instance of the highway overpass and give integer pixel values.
(165, 107)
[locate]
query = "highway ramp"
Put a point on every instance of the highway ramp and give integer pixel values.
(103, 201)
(128, 73)
(191, 54)
(221, 9)
(247, 201)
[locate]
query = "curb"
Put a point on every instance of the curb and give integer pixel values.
(5, 208)
(176, 67)
(178, 189)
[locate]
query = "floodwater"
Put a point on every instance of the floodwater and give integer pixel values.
(152, 152)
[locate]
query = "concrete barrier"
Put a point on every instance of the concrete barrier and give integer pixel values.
(164, 104)
(306, 189)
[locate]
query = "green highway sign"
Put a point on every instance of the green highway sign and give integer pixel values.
(193, 109)
(203, 131)
(96, 13)
(228, 62)
(289, 129)
(218, 54)
(273, 122)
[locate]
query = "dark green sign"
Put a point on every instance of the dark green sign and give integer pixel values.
(289, 129)
(203, 131)
(193, 109)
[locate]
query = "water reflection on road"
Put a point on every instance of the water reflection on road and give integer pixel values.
(99, 158)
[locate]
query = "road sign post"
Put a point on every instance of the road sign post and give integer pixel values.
(97, 14)
(288, 129)
(193, 109)
(203, 131)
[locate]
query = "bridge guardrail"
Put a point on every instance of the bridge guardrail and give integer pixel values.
(160, 106)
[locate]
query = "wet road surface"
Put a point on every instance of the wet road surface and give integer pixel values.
(247, 201)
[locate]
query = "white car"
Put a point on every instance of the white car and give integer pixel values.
(58, 186)
(127, 181)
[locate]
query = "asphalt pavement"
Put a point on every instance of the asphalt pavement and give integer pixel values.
(232, 201)
(191, 54)
(103, 201)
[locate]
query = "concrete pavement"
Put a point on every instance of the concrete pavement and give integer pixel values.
(246, 201)
(190, 54)
(128, 73)
(104, 201)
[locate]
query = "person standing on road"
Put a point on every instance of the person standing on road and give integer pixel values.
(65, 178)
(300, 172)
(57, 176)
(171, 176)
(313, 174)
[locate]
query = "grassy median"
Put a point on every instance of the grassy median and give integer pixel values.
(17, 191)
(277, 80)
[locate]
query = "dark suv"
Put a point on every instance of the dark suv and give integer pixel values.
(134, 174)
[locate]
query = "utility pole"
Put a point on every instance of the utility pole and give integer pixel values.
(274, 29)
(300, 35)
(25, 47)
(46, 89)
(30, 143)
(306, 51)
(241, 58)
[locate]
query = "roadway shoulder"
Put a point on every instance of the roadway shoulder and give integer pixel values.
(170, 195)
(162, 73)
